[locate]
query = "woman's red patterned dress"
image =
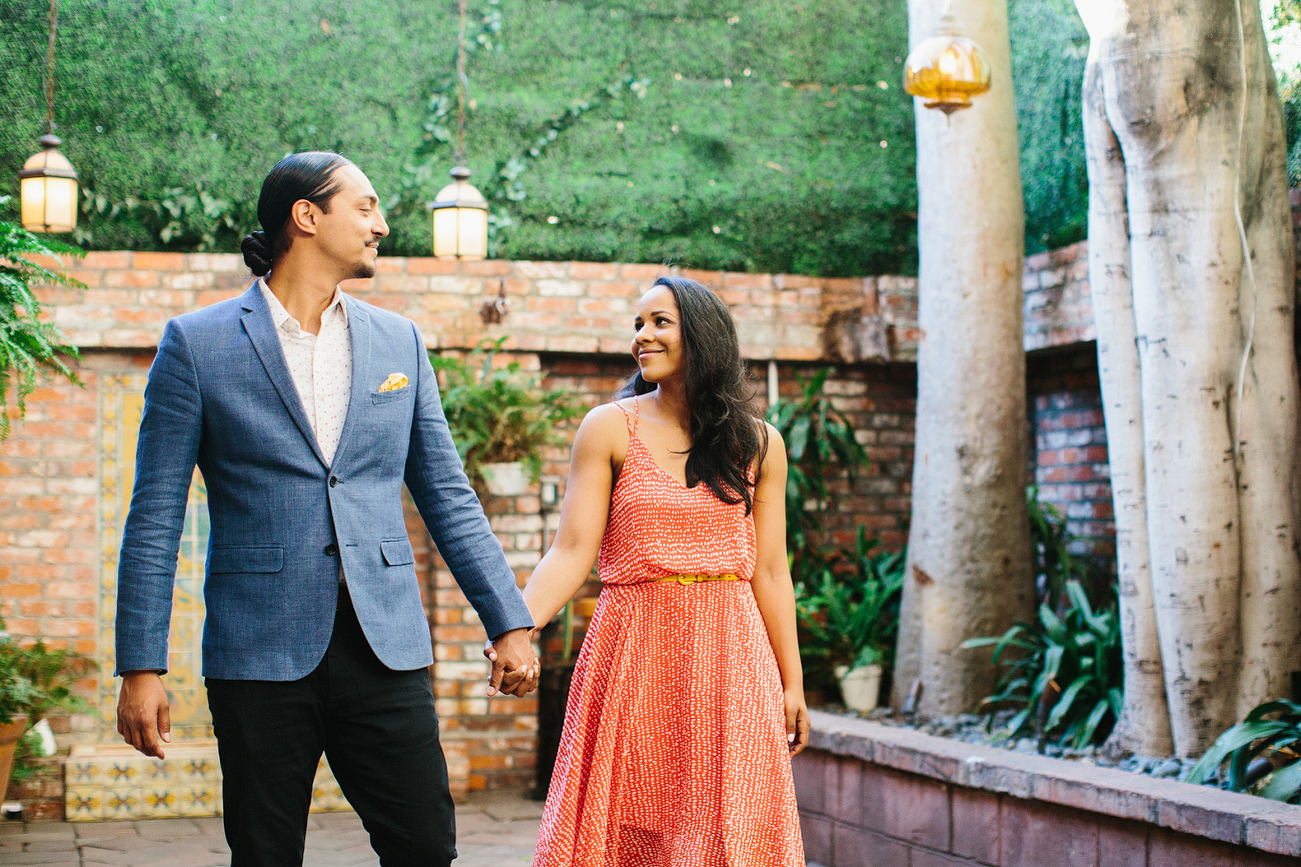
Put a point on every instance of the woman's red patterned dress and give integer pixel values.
(674, 750)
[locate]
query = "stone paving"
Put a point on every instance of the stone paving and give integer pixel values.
(495, 828)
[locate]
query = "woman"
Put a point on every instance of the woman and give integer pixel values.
(687, 700)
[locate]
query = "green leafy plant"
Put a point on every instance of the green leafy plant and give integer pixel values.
(1268, 739)
(500, 413)
(1054, 562)
(28, 345)
(189, 218)
(820, 443)
(36, 679)
(1079, 649)
(849, 610)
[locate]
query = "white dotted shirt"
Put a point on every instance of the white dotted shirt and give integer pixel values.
(321, 365)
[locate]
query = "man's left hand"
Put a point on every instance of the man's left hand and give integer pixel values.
(515, 668)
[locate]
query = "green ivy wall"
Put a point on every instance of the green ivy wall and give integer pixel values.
(764, 135)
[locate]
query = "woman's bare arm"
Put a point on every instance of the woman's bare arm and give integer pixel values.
(773, 590)
(583, 515)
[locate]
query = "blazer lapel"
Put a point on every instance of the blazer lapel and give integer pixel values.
(359, 337)
(257, 323)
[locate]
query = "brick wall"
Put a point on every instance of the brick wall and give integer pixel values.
(566, 320)
(1069, 454)
(1058, 308)
(874, 795)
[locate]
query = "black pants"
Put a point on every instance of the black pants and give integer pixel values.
(378, 729)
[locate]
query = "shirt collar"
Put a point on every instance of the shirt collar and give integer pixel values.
(282, 318)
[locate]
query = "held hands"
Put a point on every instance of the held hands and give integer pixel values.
(797, 720)
(144, 716)
(515, 668)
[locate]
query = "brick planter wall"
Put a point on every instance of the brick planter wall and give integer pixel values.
(874, 795)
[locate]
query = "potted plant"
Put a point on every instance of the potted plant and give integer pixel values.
(848, 612)
(33, 681)
(29, 345)
(501, 418)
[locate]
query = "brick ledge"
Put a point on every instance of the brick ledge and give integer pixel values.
(1201, 811)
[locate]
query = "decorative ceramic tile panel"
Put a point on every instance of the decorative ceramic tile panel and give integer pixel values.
(122, 403)
(113, 781)
(110, 780)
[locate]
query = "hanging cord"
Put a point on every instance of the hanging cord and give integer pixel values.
(1246, 248)
(463, 86)
(49, 64)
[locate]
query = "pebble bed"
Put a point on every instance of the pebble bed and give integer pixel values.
(982, 729)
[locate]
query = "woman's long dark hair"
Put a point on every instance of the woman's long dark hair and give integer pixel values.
(308, 175)
(726, 437)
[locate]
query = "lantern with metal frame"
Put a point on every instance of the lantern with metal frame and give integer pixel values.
(48, 181)
(947, 69)
(460, 210)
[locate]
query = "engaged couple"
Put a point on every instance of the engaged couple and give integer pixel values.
(307, 411)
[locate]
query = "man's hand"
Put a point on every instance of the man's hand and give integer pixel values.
(515, 668)
(144, 716)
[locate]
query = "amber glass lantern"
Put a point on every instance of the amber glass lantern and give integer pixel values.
(460, 219)
(49, 190)
(947, 69)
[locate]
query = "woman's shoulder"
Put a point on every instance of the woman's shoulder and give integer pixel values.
(606, 422)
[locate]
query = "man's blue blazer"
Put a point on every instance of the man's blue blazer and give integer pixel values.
(220, 395)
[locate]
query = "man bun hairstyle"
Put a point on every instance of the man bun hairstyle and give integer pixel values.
(309, 176)
(727, 437)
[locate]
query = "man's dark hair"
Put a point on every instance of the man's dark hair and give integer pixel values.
(308, 175)
(726, 436)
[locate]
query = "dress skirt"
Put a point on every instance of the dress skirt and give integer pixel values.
(674, 751)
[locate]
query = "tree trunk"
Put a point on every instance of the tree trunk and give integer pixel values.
(968, 571)
(1144, 723)
(1186, 93)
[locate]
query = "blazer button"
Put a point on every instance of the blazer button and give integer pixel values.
(331, 549)
(334, 480)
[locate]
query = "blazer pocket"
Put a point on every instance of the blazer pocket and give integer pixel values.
(397, 552)
(390, 396)
(253, 558)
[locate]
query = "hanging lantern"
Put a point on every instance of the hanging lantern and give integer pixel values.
(48, 181)
(947, 69)
(49, 190)
(460, 219)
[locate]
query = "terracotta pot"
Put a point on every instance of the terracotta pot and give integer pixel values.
(861, 687)
(10, 732)
(506, 479)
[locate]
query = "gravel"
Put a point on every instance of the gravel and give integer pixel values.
(982, 729)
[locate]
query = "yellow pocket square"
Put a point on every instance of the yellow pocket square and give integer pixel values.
(394, 382)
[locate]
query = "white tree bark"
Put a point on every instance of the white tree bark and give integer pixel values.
(968, 570)
(1144, 723)
(1217, 390)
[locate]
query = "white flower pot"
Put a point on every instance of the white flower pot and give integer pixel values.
(861, 687)
(506, 480)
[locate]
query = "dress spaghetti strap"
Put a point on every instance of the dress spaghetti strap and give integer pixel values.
(631, 420)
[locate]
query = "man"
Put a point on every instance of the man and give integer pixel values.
(306, 410)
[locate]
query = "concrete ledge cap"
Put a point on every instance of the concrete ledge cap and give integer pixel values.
(1245, 820)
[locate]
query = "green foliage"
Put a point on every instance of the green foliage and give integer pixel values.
(847, 601)
(499, 414)
(819, 443)
(1080, 649)
(1054, 562)
(747, 137)
(28, 345)
(1049, 47)
(1283, 21)
(848, 611)
(35, 680)
(1270, 733)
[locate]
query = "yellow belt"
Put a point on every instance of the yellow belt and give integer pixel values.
(696, 579)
